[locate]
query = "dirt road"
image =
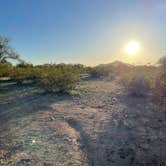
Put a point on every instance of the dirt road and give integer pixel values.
(99, 126)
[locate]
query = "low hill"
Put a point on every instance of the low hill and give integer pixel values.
(117, 67)
(116, 64)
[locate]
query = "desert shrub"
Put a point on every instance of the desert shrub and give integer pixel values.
(139, 86)
(99, 72)
(162, 62)
(24, 65)
(20, 74)
(159, 89)
(5, 69)
(58, 80)
(136, 85)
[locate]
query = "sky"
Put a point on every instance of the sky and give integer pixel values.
(90, 32)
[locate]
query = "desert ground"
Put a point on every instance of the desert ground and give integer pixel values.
(99, 125)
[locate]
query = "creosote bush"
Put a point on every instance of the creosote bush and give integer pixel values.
(99, 72)
(52, 78)
(20, 74)
(5, 69)
(58, 80)
(136, 85)
(139, 86)
(159, 89)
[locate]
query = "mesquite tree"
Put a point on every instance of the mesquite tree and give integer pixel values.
(6, 52)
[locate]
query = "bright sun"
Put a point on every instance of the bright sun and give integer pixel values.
(132, 47)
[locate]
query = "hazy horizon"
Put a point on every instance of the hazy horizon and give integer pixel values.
(85, 32)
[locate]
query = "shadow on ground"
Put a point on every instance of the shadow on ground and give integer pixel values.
(28, 134)
(99, 128)
(135, 135)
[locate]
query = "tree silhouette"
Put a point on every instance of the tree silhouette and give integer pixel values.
(6, 52)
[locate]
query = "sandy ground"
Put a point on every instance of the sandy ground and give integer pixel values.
(99, 126)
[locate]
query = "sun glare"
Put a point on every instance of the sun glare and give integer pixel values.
(132, 47)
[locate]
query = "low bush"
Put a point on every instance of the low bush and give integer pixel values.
(58, 80)
(136, 85)
(5, 69)
(51, 78)
(99, 72)
(20, 74)
(139, 86)
(159, 89)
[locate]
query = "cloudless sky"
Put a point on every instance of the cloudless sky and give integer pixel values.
(84, 31)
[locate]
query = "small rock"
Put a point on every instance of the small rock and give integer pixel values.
(52, 118)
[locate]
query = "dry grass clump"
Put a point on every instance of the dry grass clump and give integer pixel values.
(143, 82)
(136, 85)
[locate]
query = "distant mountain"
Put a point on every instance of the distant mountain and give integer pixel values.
(116, 64)
(119, 63)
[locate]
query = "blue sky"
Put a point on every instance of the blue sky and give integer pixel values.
(84, 31)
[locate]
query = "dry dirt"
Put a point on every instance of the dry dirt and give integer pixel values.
(98, 126)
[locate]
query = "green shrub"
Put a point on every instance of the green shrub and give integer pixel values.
(52, 78)
(58, 80)
(20, 74)
(5, 69)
